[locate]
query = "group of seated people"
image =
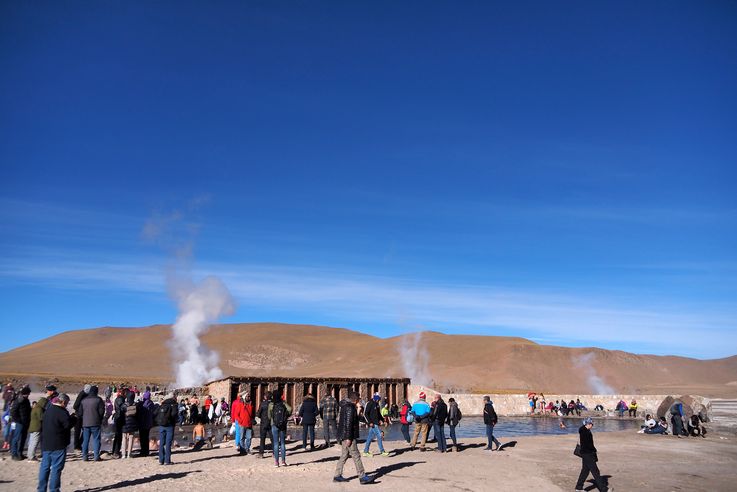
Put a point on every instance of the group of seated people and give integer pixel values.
(694, 428)
(562, 408)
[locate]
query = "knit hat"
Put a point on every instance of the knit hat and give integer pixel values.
(377, 397)
(588, 421)
(422, 395)
(51, 387)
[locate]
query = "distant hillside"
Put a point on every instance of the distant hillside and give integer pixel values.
(460, 362)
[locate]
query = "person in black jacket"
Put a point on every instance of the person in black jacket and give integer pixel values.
(588, 457)
(440, 415)
(119, 421)
(56, 427)
(265, 422)
(166, 417)
(20, 416)
(78, 425)
(348, 437)
(490, 420)
(308, 413)
(374, 419)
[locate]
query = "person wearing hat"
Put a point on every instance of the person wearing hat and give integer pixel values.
(50, 393)
(56, 427)
(490, 420)
(374, 419)
(422, 413)
(589, 457)
(20, 416)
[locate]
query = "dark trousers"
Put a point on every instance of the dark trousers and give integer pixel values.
(453, 434)
(144, 435)
(490, 436)
(405, 432)
(118, 438)
(78, 435)
(326, 430)
(439, 431)
(588, 465)
(677, 422)
(308, 429)
(49, 473)
(264, 432)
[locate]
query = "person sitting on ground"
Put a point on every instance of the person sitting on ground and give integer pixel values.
(695, 428)
(572, 407)
(599, 408)
(550, 408)
(649, 424)
(660, 428)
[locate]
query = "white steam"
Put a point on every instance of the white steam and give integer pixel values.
(596, 384)
(415, 358)
(200, 305)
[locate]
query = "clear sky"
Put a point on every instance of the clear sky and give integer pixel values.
(564, 172)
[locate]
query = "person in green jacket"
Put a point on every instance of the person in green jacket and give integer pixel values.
(34, 430)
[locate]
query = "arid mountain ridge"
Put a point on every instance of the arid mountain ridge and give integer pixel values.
(463, 363)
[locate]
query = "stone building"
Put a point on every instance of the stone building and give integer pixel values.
(295, 389)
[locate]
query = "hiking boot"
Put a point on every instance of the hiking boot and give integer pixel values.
(367, 454)
(365, 480)
(340, 478)
(385, 453)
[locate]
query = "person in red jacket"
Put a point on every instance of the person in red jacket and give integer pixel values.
(241, 412)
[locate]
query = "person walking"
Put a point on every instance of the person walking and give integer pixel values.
(279, 412)
(264, 424)
(166, 417)
(421, 411)
(454, 417)
(91, 413)
(589, 457)
(130, 427)
(373, 419)
(490, 420)
(405, 419)
(440, 415)
(20, 418)
(34, 428)
(56, 429)
(308, 414)
(329, 414)
(348, 437)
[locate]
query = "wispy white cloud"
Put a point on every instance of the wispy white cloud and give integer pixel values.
(568, 317)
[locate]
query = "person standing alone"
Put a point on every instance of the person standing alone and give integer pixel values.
(348, 436)
(589, 458)
(490, 420)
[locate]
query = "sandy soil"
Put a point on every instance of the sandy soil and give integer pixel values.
(633, 462)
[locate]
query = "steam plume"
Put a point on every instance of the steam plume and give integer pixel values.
(415, 358)
(596, 383)
(200, 305)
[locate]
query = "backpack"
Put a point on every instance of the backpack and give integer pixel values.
(279, 414)
(162, 415)
(459, 415)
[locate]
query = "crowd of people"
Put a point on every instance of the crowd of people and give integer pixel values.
(54, 422)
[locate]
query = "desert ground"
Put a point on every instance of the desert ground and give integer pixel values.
(631, 461)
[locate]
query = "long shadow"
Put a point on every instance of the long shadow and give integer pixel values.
(384, 470)
(604, 478)
(140, 481)
(506, 445)
(220, 457)
(327, 459)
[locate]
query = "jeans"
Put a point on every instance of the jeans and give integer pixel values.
(308, 429)
(326, 430)
(166, 435)
(439, 430)
(238, 436)
(49, 473)
(373, 431)
(245, 442)
(405, 432)
(16, 445)
(279, 439)
(93, 432)
(351, 450)
(453, 434)
(265, 431)
(34, 438)
(490, 436)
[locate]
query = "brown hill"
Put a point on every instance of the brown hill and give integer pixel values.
(459, 362)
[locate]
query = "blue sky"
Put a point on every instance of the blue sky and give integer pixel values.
(561, 172)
